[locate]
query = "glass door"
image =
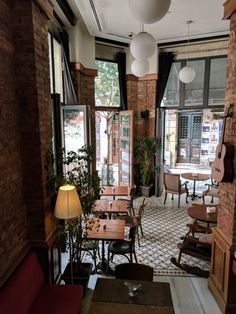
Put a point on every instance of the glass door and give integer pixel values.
(126, 126)
(74, 127)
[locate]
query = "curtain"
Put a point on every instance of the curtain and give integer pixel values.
(70, 95)
(165, 62)
(121, 60)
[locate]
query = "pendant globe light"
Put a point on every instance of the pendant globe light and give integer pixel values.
(140, 67)
(143, 46)
(149, 11)
(187, 73)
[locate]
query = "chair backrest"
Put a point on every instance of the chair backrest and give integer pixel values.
(132, 234)
(172, 182)
(134, 271)
(141, 208)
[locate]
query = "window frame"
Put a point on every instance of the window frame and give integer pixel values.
(206, 84)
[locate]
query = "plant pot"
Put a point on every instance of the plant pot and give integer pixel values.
(146, 190)
(81, 274)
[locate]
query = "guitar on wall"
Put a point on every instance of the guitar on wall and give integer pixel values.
(222, 167)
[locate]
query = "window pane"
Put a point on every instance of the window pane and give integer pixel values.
(217, 83)
(57, 67)
(194, 90)
(74, 127)
(172, 91)
(107, 92)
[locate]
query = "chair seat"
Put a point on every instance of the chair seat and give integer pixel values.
(213, 192)
(120, 246)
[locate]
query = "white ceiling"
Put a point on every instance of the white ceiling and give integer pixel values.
(113, 20)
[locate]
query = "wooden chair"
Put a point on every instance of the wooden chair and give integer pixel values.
(123, 247)
(134, 272)
(212, 190)
(195, 247)
(173, 185)
(131, 220)
(130, 198)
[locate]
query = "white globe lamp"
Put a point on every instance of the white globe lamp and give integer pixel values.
(140, 67)
(187, 74)
(143, 46)
(149, 11)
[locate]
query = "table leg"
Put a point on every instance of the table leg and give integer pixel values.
(102, 266)
(194, 195)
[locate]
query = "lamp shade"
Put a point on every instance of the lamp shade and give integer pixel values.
(187, 74)
(68, 203)
(140, 67)
(143, 46)
(149, 11)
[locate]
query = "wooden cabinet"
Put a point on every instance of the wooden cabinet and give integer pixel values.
(222, 280)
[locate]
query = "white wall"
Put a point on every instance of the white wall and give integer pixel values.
(82, 46)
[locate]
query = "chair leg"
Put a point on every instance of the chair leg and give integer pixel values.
(178, 200)
(186, 199)
(172, 197)
(203, 199)
(179, 258)
(135, 257)
(138, 238)
(212, 199)
(141, 228)
(165, 197)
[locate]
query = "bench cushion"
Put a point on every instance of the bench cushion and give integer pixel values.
(58, 299)
(22, 288)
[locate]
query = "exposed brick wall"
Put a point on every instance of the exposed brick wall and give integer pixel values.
(13, 212)
(141, 96)
(84, 82)
(227, 202)
(33, 90)
(25, 130)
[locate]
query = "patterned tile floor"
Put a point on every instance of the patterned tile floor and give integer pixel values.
(163, 226)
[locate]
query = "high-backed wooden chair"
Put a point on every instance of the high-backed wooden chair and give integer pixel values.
(173, 185)
(134, 271)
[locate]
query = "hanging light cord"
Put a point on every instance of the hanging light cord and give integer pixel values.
(188, 24)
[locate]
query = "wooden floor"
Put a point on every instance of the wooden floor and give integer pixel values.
(190, 295)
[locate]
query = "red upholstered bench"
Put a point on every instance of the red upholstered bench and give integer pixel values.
(26, 292)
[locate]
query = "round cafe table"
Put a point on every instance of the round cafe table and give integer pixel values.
(195, 177)
(199, 212)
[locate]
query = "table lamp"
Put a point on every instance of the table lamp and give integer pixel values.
(68, 206)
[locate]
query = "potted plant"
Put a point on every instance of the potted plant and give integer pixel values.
(76, 172)
(144, 151)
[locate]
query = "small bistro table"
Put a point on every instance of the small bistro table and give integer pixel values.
(106, 229)
(195, 177)
(199, 213)
(111, 297)
(111, 207)
(118, 190)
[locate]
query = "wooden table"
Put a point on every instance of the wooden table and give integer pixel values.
(111, 207)
(111, 297)
(198, 212)
(195, 177)
(121, 190)
(106, 229)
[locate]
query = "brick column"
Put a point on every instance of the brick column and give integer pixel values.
(141, 95)
(85, 91)
(222, 280)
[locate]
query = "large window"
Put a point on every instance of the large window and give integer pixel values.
(207, 89)
(107, 92)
